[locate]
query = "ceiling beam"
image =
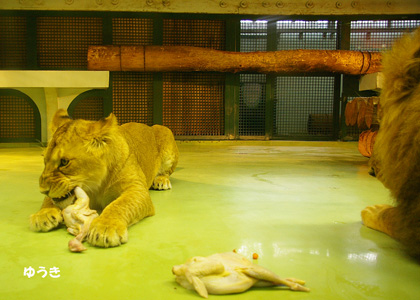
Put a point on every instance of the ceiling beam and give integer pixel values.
(239, 7)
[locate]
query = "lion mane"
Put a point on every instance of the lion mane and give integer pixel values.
(396, 154)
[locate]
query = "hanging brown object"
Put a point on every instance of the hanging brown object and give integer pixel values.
(366, 141)
(189, 59)
(351, 112)
(361, 114)
(369, 112)
(362, 111)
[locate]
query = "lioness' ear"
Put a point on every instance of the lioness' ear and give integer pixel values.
(60, 118)
(106, 125)
(101, 132)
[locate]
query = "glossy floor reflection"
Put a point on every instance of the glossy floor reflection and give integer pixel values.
(296, 204)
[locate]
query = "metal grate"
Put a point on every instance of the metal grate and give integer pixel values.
(63, 42)
(197, 33)
(378, 35)
(132, 92)
(193, 103)
(132, 31)
(252, 86)
(13, 37)
(304, 107)
(253, 36)
(17, 119)
(252, 104)
(132, 97)
(90, 108)
(319, 34)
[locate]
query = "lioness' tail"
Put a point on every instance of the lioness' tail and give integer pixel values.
(401, 69)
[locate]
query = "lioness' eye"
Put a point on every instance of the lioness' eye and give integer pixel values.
(64, 162)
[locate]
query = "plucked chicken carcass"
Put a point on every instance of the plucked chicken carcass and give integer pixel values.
(228, 273)
(78, 218)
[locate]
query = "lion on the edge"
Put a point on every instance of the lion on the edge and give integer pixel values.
(396, 154)
(115, 165)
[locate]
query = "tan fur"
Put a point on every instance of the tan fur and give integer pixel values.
(396, 154)
(115, 165)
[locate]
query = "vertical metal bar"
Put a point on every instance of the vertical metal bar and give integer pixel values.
(233, 37)
(157, 77)
(343, 43)
(107, 95)
(270, 81)
(157, 99)
(107, 30)
(232, 106)
(336, 107)
(269, 106)
(31, 43)
(343, 35)
(107, 40)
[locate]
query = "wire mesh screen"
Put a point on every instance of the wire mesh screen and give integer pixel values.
(132, 92)
(193, 103)
(132, 31)
(378, 35)
(197, 33)
(252, 91)
(17, 119)
(13, 42)
(62, 42)
(304, 107)
(306, 35)
(253, 36)
(89, 108)
(132, 97)
(252, 95)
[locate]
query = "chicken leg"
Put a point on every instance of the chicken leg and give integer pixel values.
(78, 218)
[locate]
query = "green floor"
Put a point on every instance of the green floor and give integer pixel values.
(296, 204)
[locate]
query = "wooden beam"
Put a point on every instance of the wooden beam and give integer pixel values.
(239, 7)
(190, 59)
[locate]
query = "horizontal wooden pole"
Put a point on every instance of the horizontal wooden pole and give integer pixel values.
(190, 59)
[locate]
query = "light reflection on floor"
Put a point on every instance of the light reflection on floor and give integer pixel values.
(296, 204)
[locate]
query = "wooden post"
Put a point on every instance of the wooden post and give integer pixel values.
(190, 59)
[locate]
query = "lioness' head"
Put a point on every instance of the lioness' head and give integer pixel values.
(76, 156)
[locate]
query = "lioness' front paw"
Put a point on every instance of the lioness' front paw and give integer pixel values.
(107, 233)
(162, 182)
(371, 216)
(46, 219)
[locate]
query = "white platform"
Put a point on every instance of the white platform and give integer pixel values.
(372, 81)
(51, 90)
(54, 79)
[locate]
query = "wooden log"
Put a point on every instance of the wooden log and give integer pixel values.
(190, 59)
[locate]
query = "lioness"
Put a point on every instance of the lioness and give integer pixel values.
(115, 165)
(396, 153)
